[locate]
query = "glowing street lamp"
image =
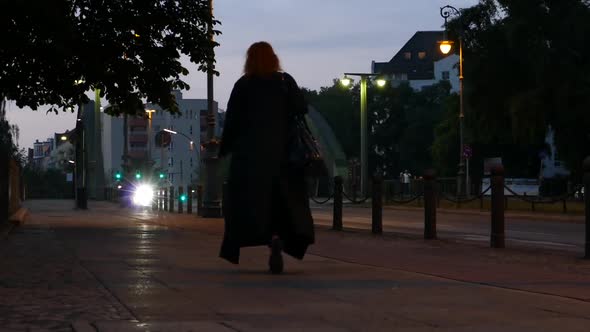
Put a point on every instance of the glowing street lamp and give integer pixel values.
(381, 82)
(445, 47)
(345, 81)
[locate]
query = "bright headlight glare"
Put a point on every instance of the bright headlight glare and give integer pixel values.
(143, 195)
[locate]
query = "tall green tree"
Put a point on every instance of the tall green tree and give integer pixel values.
(527, 68)
(403, 125)
(341, 110)
(55, 51)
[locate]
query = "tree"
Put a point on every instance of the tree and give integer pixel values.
(341, 111)
(127, 49)
(401, 122)
(402, 126)
(526, 69)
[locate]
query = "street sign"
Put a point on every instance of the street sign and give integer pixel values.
(467, 151)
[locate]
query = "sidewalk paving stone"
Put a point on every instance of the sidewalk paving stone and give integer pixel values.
(122, 270)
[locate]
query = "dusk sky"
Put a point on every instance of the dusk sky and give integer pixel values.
(316, 40)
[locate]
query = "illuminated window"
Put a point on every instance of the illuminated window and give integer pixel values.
(421, 55)
(408, 55)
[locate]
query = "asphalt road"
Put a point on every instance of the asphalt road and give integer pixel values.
(537, 230)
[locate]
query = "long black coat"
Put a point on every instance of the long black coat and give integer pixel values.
(264, 196)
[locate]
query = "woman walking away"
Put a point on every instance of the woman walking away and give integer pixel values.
(266, 202)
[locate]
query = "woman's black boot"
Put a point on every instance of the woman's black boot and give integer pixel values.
(275, 261)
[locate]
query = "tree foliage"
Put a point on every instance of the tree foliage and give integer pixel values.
(401, 122)
(341, 110)
(402, 126)
(527, 68)
(55, 51)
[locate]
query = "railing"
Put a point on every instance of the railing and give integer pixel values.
(429, 191)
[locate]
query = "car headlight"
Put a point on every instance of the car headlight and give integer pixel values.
(143, 195)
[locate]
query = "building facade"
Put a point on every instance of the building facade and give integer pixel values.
(179, 162)
(420, 63)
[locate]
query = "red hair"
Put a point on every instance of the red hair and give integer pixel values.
(261, 60)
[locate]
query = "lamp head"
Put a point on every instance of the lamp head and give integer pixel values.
(445, 46)
(381, 82)
(345, 81)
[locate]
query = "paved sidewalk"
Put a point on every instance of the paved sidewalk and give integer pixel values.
(110, 269)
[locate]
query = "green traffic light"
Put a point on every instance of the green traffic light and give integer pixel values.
(138, 176)
(183, 198)
(161, 175)
(118, 176)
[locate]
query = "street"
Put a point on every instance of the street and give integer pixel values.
(530, 230)
(114, 269)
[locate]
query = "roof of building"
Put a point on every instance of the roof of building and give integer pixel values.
(416, 58)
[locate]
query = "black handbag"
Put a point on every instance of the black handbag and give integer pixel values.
(303, 151)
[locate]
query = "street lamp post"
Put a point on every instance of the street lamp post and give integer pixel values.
(149, 135)
(211, 199)
(364, 120)
(191, 145)
(445, 47)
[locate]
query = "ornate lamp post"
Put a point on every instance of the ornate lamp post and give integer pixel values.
(446, 46)
(364, 131)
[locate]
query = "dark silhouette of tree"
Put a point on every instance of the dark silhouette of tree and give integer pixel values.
(54, 51)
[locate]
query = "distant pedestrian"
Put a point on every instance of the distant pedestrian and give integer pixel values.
(405, 178)
(266, 202)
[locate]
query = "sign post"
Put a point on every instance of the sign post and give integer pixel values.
(467, 154)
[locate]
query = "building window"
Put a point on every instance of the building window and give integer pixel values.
(408, 55)
(421, 55)
(191, 129)
(445, 75)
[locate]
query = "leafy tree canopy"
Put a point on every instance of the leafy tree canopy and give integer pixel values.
(55, 51)
(527, 68)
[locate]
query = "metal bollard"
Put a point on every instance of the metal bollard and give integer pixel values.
(377, 205)
(199, 199)
(171, 199)
(337, 221)
(189, 199)
(587, 203)
(429, 205)
(165, 199)
(180, 203)
(497, 234)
